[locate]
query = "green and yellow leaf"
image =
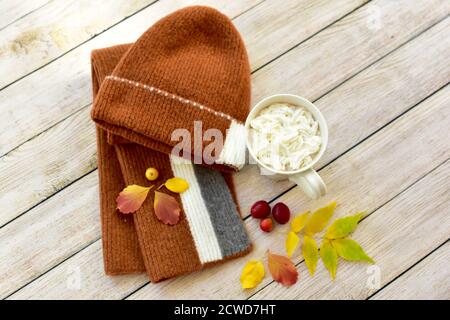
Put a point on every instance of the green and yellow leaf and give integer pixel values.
(350, 250)
(319, 219)
(166, 208)
(292, 241)
(310, 253)
(252, 274)
(341, 228)
(131, 198)
(329, 257)
(177, 185)
(299, 222)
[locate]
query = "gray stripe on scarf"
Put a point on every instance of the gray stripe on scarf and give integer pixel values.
(227, 223)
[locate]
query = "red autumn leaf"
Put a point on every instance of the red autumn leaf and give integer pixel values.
(167, 208)
(131, 198)
(282, 269)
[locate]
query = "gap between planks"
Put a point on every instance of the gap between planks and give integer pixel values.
(368, 176)
(410, 188)
(272, 198)
(21, 11)
(429, 279)
(64, 74)
(57, 35)
(342, 175)
(85, 161)
(394, 252)
(248, 222)
(76, 174)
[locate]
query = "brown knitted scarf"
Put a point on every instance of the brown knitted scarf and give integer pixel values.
(190, 66)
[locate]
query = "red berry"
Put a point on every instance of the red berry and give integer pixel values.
(281, 213)
(260, 209)
(266, 225)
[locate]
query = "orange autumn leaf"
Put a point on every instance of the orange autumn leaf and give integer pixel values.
(131, 198)
(282, 269)
(167, 208)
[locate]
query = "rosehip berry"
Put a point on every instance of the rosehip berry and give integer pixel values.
(260, 209)
(151, 174)
(281, 213)
(266, 225)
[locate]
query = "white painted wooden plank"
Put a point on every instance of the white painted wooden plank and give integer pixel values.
(411, 66)
(67, 85)
(371, 100)
(55, 28)
(46, 136)
(428, 280)
(35, 241)
(12, 11)
(397, 235)
(365, 178)
(75, 279)
(342, 56)
(280, 25)
(39, 168)
(14, 168)
(55, 269)
(21, 163)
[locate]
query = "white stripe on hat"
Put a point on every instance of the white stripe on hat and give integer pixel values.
(235, 146)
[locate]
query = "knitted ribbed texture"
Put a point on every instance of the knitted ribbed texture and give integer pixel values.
(190, 66)
(167, 250)
(133, 133)
(121, 250)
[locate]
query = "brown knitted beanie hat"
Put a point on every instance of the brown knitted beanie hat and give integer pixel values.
(190, 66)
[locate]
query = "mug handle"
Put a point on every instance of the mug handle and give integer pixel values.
(310, 182)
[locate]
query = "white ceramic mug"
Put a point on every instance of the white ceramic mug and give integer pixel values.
(306, 178)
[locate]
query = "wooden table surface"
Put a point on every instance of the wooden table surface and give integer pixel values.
(378, 70)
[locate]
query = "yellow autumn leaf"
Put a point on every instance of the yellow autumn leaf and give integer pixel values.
(329, 257)
(310, 253)
(319, 219)
(252, 274)
(292, 241)
(344, 226)
(350, 250)
(177, 185)
(299, 222)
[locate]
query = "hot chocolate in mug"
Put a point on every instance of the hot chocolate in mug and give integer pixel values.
(306, 177)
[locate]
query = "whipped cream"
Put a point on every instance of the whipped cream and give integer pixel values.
(285, 137)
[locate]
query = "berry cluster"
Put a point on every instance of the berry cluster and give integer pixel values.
(261, 210)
